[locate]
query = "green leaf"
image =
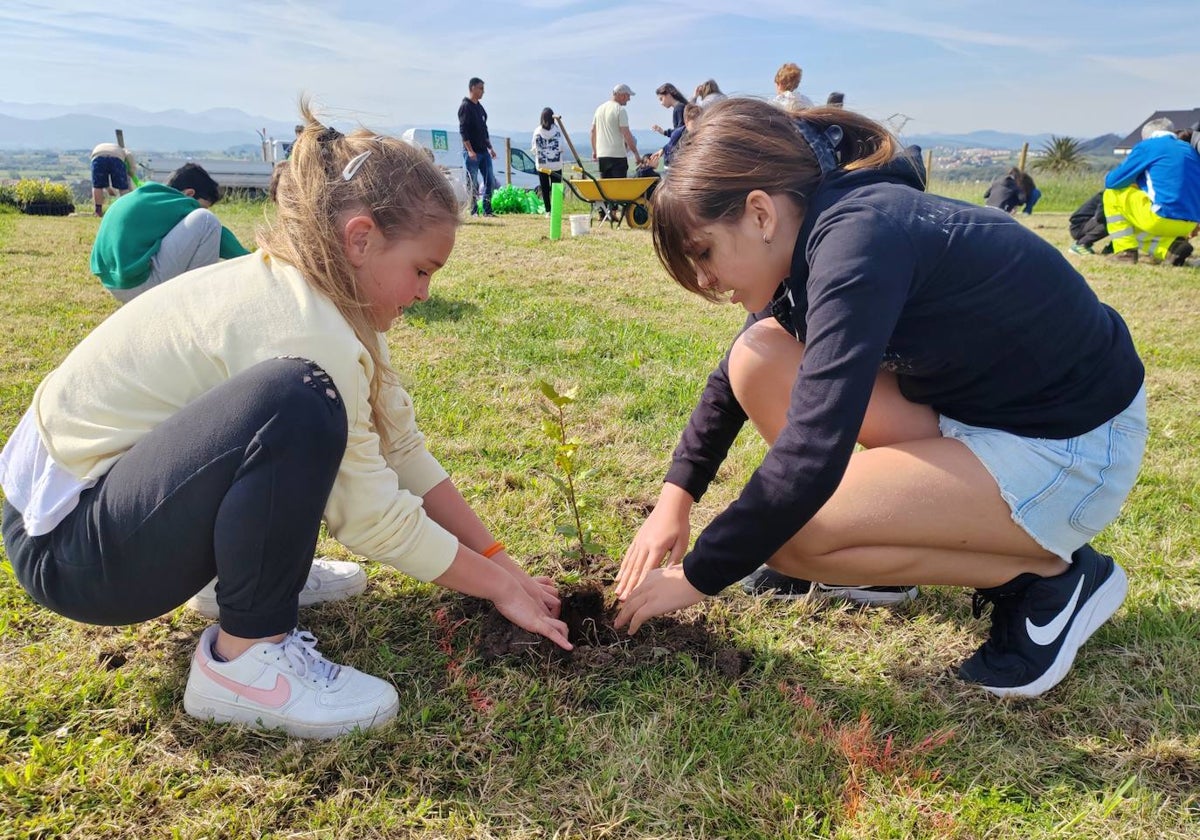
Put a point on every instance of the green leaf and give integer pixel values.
(567, 530)
(548, 390)
(559, 399)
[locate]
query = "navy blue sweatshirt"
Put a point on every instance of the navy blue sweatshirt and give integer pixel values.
(472, 125)
(977, 317)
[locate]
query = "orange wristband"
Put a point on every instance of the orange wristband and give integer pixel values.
(493, 549)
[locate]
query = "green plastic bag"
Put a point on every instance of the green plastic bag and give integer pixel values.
(513, 199)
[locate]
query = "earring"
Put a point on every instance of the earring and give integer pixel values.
(766, 241)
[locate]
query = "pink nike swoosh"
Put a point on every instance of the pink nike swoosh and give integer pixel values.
(273, 698)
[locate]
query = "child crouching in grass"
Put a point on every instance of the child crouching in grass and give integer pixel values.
(1000, 402)
(208, 427)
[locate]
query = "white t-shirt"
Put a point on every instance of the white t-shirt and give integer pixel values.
(789, 100)
(108, 150)
(610, 118)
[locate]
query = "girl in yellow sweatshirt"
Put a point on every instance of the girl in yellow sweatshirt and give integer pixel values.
(208, 427)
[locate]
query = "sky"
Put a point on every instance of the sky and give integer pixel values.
(1071, 68)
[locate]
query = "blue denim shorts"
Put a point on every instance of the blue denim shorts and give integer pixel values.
(108, 170)
(1062, 492)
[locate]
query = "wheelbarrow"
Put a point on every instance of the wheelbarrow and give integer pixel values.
(623, 199)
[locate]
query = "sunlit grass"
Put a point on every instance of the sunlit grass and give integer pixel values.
(847, 723)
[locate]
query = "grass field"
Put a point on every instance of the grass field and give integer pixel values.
(847, 723)
(1061, 192)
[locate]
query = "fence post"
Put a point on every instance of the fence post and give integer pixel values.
(508, 161)
(1024, 152)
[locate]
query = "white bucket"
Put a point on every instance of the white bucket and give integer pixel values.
(580, 225)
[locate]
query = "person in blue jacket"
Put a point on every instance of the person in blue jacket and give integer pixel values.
(1000, 404)
(1152, 200)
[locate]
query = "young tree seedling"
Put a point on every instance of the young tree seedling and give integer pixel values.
(566, 452)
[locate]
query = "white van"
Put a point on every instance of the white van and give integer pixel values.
(243, 174)
(447, 148)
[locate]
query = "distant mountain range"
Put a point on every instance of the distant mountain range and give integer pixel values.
(64, 127)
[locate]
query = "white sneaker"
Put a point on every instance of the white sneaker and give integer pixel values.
(328, 580)
(287, 685)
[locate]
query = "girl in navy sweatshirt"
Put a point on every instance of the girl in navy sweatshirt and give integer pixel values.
(999, 402)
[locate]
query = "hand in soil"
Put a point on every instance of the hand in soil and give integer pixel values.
(522, 610)
(665, 533)
(541, 589)
(544, 591)
(661, 591)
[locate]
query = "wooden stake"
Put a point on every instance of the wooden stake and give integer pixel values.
(567, 137)
(1024, 152)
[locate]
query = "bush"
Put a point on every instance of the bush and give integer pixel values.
(8, 196)
(41, 198)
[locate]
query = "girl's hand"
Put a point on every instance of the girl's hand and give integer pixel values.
(664, 534)
(529, 614)
(541, 589)
(662, 591)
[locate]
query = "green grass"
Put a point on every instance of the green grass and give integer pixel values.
(1061, 193)
(846, 725)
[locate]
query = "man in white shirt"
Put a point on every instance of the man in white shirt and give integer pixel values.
(611, 135)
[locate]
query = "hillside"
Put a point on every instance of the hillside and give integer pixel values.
(47, 127)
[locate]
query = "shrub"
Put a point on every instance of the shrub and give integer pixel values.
(41, 198)
(1061, 155)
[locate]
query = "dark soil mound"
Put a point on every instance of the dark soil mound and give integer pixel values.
(597, 643)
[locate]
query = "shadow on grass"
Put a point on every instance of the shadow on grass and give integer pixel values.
(439, 308)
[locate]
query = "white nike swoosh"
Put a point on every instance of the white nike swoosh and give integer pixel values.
(1048, 633)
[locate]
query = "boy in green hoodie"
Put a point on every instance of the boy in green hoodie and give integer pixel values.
(160, 231)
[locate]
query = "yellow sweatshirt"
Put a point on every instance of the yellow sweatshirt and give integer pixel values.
(165, 348)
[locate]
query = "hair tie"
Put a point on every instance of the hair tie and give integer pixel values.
(823, 143)
(329, 134)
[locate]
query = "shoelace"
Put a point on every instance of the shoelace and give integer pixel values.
(998, 633)
(978, 602)
(300, 647)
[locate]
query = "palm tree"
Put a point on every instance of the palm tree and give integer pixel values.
(1061, 154)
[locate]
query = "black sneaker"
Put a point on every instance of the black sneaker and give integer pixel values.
(1039, 624)
(1179, 251)
(765, 581)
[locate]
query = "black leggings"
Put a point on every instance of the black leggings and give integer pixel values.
(233, 485)
(545, 179)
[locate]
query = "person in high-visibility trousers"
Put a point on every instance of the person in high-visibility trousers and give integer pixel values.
(1152, 200)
